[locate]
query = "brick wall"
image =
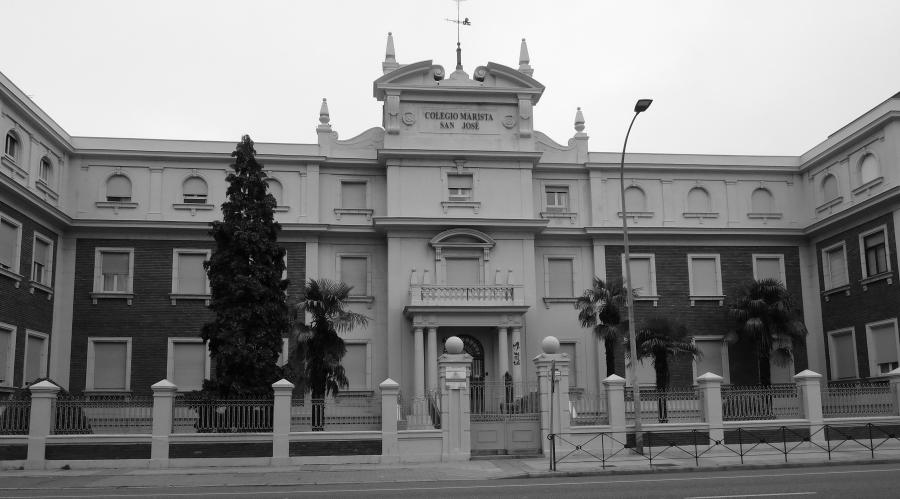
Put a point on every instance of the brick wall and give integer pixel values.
(879, 302)
(151, 318)
(19, 306)
(706, 317)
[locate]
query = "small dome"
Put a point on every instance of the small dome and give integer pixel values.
(550, 344)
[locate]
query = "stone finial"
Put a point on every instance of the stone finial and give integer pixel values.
(550, 345)
(413, 278)
(524, 60)
(324, 117)
(579, 122)
(454, 345)
(390, 56)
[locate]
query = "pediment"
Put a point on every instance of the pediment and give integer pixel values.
(425, 76)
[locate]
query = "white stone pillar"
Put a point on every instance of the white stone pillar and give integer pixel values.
(431, 359)
(711, 404)
(517, 353)
(163, 394)
(390, 446)
(808, 382)
(544, 364)
(418, 363)
(615, 410)
(894, 377)
(455, 368)
(502, 353)
(281, 422)
(40, 423)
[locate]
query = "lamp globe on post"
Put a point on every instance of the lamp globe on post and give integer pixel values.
(639, 107)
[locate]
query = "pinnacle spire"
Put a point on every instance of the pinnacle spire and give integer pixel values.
(390, 56)
(524, 60)
(324, 117)
(579, 122)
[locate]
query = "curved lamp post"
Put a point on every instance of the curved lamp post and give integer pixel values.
(639, 108)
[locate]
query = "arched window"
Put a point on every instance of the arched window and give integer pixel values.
(118, 189)
(762, 201)
(195, 190)
(45, 173)
(829, 187)
(11, 148)
(635, 200)
(698, 201)
(276, 191)
(868, 169)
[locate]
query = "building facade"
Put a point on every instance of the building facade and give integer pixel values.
(456, 216)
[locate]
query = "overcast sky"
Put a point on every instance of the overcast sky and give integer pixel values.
(728, 77)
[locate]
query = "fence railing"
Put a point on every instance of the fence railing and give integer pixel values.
(665, 406)
(221, 416)
(102, 415)
(14, 416)
(588, 409)
(860, 399)
(747, 403)
(420, 413)
(348, 411)
(495, 400)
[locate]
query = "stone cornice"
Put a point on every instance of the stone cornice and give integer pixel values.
(32, 202)
(887, 196)
(826, 154)
(517, 224)
(528, 156)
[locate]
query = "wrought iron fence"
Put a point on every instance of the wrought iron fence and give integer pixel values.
(502, 400)
(95, 414)
(14, 416)
(588, 409)
(420, 413)
(665, 406)
(748, 403)
(347, 411)
(858, 399)
(192, 415)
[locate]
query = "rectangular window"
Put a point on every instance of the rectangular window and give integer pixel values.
(557, 198)
(188, 363)
(714, 356)
(462, 271)
(45, 171)
(113, 270)
(353, 195)
(109, 364)
(188, 275)
(561, 278)
(874, 252)
(11, 148)
(705, 276)
(834, 266)
(769, 267)
(10, 243)
(460, 187)
(842, 351)
(355, 273)
(7, 353)
(643, 274)
(42, 260)
(569, 349)
(35, 356)
(356, 366)
(884, 347)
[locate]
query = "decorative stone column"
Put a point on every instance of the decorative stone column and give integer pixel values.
(808, 382)
(431, 359)
(544, 364)
(894, 377)
(518, 350)
(281, 422)
(163, 394)
(502, 353)
(40, 423)
(455, 368)
(615, 410)
(390, 446)
(418, 363)
(711, 404)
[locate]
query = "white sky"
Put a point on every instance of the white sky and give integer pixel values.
(729, 77)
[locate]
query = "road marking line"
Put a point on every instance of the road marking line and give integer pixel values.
(779, 494)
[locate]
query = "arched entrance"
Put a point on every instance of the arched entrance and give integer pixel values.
(473, 347)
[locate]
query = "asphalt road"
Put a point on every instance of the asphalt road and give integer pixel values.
(856, 481)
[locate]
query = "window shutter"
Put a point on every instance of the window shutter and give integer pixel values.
(9, 239)
(5, 339)
(561, 278)
(634, 199)
(884, 343)
(705, 277)
(195, 187)
(768, 268)
(640, 276)
(463, 271)
(189, 365)
(868, 170)
(114, 263)
(276, 191)
(354, 363)
(836, 267)
(353, 195)
(842, 355)
(711, 360)
(698, 200)
(191, 275)
(118, 187)
(459, 181)
(354, 272)
(41, 252)
(109, 365)
(35, 353)
(761, 201)
(569, 348)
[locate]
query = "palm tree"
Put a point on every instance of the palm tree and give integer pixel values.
(659, 339)
(764, 315)
(600, 308)
(315, 361)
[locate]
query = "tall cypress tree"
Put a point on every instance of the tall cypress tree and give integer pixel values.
(248, 293)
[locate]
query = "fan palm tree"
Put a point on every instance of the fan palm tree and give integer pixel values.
(599, 307)
(659, 339)
(765, 315)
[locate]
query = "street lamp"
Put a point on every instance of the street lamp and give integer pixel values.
(639, 108)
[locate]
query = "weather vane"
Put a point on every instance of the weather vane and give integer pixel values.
(459, 22)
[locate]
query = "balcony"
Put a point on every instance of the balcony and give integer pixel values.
(498, 295)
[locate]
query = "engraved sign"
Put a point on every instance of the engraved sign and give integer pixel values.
(461, 120)
(455, 373)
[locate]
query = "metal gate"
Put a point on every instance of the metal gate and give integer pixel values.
(505, 418)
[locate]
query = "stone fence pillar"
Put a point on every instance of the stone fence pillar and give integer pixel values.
(808, 382)
(390, 446)
(40, 423)
(615, 410)
(281, 422)
(711, 405)
(163, 394)
(894, 377)
(544, 364)
(455, 368)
